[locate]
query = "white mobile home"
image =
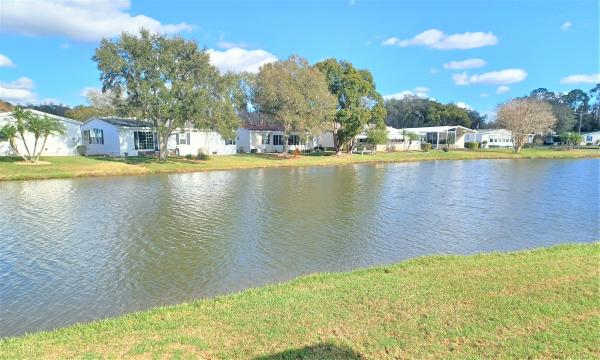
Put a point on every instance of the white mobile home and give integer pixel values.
(592, 138)
(118, 136)
(269, 139)
(56, 145)
(493, 138)
(439, 136)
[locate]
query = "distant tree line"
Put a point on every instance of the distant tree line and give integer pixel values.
(414, 111)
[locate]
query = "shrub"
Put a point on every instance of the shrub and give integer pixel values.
(188, 156)
(202, 155)
(81, 150)
(425, 146)
(471, 145)
(445, 148)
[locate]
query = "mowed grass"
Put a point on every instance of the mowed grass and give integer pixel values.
(76, 166)
(542, 303)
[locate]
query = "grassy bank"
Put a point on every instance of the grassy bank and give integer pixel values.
(66, 167)
(541, 304)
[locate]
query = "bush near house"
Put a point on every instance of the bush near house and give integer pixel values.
(425, 146)
(472, 145)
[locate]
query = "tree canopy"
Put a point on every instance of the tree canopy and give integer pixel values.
(414, 111)
(359, 105)
(168, 82)
(294, 95)
(523, 117)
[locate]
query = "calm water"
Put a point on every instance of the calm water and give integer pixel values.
(82, 249)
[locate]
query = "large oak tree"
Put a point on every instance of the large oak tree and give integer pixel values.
(359, 105)
(294, 95)
(168, 82)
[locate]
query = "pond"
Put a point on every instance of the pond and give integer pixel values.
(82, 249)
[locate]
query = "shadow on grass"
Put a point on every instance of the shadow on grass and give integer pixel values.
(318, 351)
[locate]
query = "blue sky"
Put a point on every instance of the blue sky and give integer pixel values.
(493, 50)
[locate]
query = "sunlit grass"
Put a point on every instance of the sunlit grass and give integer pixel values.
(531, 304)
(64, 167)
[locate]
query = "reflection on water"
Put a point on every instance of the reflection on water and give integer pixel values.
(81, 249)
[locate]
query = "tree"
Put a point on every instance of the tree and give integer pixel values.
(40, 127)
(477, 120)
(50, 108)
(565, 118)
(523, 117)
(294, 95)
(168, 82)
(410, 136)
(377, 136)
(359, 105)
(570, 138)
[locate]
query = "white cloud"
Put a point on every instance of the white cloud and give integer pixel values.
(5, 61)
(465, 64)
(18, 91)
(502, 77)
(436, 39)
(237, 59)
(463, 105)
(502, 89)
(419, 91)
(566, 26)
(433, 71)
(484, 95)
(84, 20)
(581, 79)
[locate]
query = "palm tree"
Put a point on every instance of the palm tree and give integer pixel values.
(41, 127)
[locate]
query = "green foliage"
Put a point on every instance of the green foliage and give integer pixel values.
(359, 105)
(26, 122)
(168, 82)
(202, 155)
(377, 136)
(294, 95)
(471, 145)
(50, 108)
(570, 138)
(188, 156)
(425, 146)
(413, 111)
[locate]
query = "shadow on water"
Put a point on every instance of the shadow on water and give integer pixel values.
(318, 351)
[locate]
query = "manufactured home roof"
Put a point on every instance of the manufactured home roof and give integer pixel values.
(124, 122)
(430, 129)
(262, 127)
(8, 114)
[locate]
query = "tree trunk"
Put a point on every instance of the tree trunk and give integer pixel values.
(286, 144)
(37, 157)
(13, 145)
(163, 141)
(33, 156)
(28, 156)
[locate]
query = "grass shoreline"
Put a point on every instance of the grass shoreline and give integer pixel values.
(75, 167)
(538, 303)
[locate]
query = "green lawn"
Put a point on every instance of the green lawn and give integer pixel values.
(543, 303)
(64, 167)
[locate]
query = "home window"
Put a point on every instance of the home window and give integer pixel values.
(93, 136)
(277, 139)
(589, 138)
(265, 139)
(294, 140)
(229, 142)
(144, 140)
(182, 138)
